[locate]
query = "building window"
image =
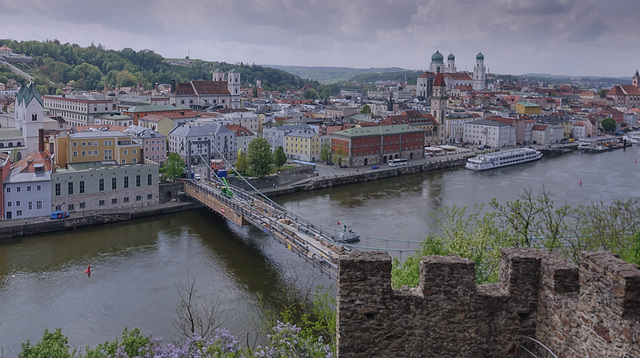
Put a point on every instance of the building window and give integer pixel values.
(18, 212)
(57, 189)
(39, 205)
(81, 205)
(149, 196)
(71, 207)
(114, 184)
(101, 185)
(28, 187)
(149, 179)
(138, 180)
(18, 203)
(124, 161)
(126, 199)
(114, 201)
(75, 144)
(138, 197)
(30, 205)
(9, 204)
(126, 182)
(75, 154)
(81, 186)
(58, 207)
(8, 190)
(70, 188)
(18, 189)
(101, 203)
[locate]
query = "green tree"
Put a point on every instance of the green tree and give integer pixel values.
(131, 342)
(325, 152)
(608, 124)
(173, 167)
(603, 93)
(279, 158)
(52, 344)
(366, 109)
(255, 91)
(242, 164)
(259, 157)
(310, 93)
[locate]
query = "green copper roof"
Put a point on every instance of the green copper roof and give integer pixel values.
(451, 57)
(377, 130)
(480, 56)
(27, 93)
(437, 57)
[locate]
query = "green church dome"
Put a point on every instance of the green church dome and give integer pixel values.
(437, 57)
(451, 57)
(480, 56)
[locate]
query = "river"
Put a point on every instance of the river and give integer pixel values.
(139, 266)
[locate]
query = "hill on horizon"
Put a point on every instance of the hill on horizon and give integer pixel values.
(328, 74)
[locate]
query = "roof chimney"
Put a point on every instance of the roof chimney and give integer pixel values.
(40, 140)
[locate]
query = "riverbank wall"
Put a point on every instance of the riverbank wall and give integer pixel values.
(173, 199)
(325, 181)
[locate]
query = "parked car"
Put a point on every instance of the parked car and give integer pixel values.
(329, 163)
(375, 167)
(343, 166)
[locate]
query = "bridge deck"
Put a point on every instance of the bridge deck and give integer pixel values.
(299, 236)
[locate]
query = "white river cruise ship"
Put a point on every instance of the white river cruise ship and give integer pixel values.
(503, 158)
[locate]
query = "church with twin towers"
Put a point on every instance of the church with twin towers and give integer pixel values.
(452, 78)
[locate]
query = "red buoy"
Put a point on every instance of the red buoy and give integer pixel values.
(580, 181)
(88, 272)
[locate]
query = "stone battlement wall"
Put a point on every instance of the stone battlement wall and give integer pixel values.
(587, 311)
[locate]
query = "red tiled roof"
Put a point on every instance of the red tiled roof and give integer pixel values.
(424, 75)
(201, 88)
(458, 76)
(539, 127)
(26, 164)
(439, 81)
(240, 130)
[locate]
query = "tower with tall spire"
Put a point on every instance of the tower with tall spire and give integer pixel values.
(439, 104)
(636, 79)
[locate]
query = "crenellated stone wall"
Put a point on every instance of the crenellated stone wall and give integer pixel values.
(591, 311)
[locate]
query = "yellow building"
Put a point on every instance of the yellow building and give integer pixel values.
(303, 145)
(160, 123)
(528, 108)
(97, 146)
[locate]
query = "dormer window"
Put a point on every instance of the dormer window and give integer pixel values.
(34, 117)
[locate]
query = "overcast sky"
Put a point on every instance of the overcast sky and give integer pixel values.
(570, 37)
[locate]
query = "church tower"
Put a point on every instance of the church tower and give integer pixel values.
(479, 80)
(636, 79)
(439, 104)
(451, 64)
(233, 85)
(29, 115)
(218, 75)
(437, 63)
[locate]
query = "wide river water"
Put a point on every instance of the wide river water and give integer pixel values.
(138, 267)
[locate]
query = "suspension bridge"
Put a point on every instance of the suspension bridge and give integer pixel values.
(317, 243)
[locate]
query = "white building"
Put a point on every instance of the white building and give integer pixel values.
(247, 119)
(27, 188)
(79, 110)
(493, 133)
(218, 92)
(221, 140)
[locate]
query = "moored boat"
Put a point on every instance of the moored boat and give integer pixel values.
(502, 158)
